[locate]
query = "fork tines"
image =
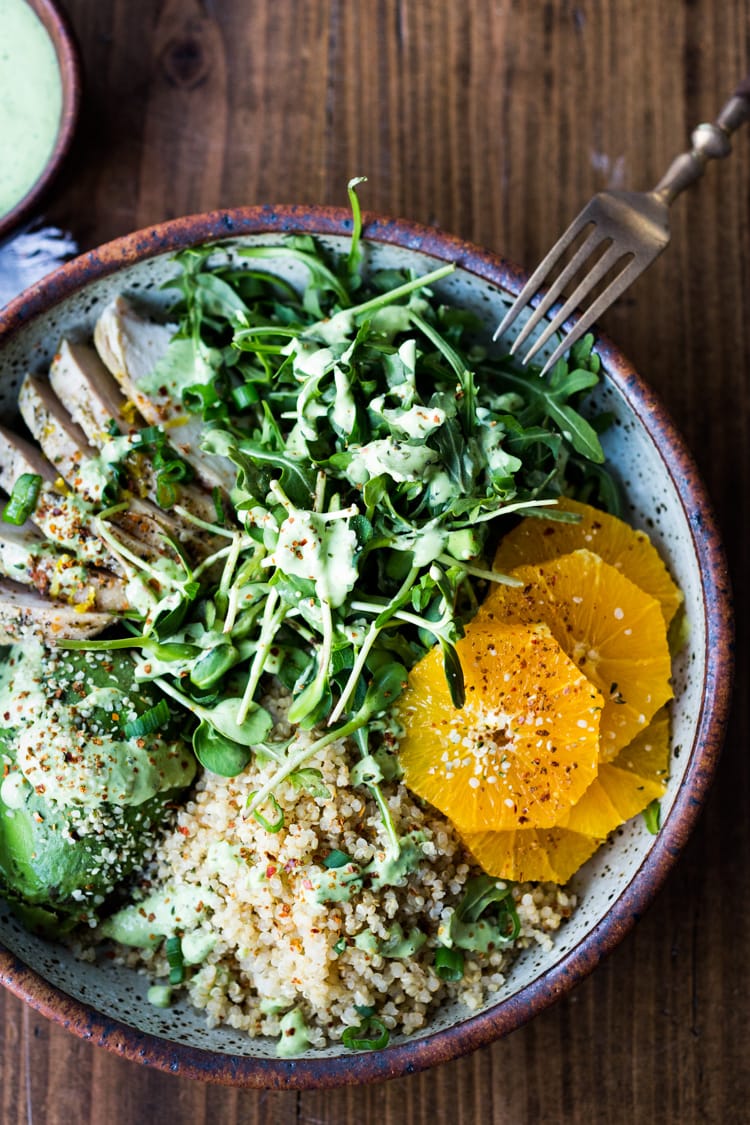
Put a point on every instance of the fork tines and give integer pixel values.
(618, 248)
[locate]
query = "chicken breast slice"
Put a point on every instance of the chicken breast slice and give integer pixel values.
(63, 442)
(66, 446)
(63, 518)
(131, 347)
(93, 399)
(28, 559)
(89, 393)
(25, 613)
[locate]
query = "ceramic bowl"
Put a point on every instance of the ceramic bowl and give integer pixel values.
(664, 494)
(68, 61)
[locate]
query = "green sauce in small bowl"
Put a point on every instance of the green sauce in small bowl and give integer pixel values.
(39, 90)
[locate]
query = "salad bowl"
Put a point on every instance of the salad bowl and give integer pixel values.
(107, 1004)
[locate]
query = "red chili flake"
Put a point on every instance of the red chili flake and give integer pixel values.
(270, 871)
(184, 831)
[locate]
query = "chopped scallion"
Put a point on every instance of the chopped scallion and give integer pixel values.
(270, 826)
(371, 1035)
(160, 995)
(245, 395)
(652, 816)
(449, 963)
(173, 950)
(149, 721)
(147, 436)
(23, 499)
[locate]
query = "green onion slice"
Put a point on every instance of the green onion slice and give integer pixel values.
(652, 816)
(147, 436)
(449, 963)
(176, 963)
(23, 499)
(270, 826)
(371, 1035)
(245, 395)
(160, 995)
(149, 721)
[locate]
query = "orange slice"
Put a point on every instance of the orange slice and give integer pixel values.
(549, 855)
(624, 787)
(612, 630)
(524, 746)
(535, 540)
(620, 790)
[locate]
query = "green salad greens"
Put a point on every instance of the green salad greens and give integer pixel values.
(379, 448)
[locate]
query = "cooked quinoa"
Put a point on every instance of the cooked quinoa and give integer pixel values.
(278, 949)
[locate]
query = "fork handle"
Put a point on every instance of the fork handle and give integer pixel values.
(710, 142)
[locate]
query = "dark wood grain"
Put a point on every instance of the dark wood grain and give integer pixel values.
(494, 119)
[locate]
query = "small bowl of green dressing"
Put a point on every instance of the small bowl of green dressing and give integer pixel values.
(40, 89)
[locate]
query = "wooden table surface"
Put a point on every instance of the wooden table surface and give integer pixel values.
(493, 119)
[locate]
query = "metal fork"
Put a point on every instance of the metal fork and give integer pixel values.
(632, 229)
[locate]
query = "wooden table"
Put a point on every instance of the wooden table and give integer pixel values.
(494, 119)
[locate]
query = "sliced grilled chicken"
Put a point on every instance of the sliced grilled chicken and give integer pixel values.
(63, 518)
(22, 550)
(62, 441)
(131, 347)
(66, 446)
(25, 613)
(30, 560)
(93, 399)
(89, 393)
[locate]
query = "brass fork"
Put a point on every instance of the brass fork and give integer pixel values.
(629, 230)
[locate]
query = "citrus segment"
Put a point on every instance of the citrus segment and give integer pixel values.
(535, 540)
(531, 854)
(612, 630)
(620, 790)
(524, 746)
(624, 787)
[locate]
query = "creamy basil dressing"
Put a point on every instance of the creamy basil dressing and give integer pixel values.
(294, 1037)
(396, 459)
(30, 101)
(72, 756)
(159, 915)
(320, 549)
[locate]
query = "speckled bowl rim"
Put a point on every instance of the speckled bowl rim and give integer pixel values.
(59, 30)
(415, 1055)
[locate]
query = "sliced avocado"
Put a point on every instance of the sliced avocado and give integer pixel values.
(64, 844)
(46, 861)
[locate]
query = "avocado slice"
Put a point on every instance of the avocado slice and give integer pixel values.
(64, 849)
(46, 862)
